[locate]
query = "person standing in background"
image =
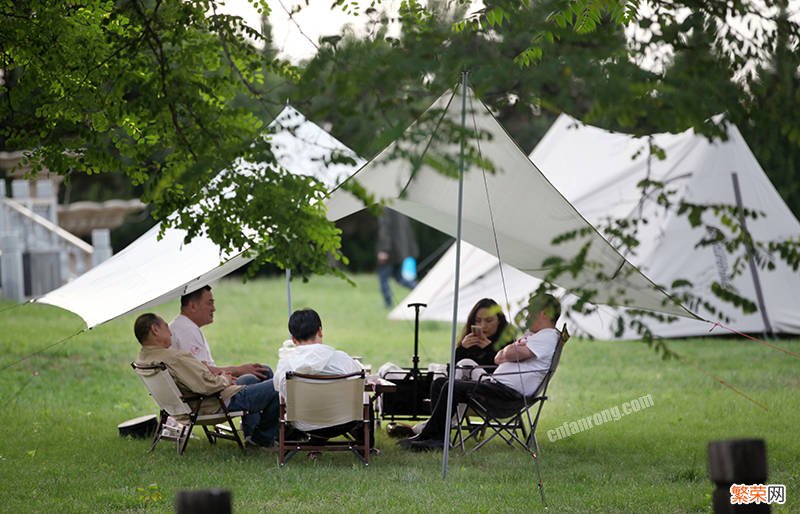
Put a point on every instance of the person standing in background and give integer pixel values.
(396, 244)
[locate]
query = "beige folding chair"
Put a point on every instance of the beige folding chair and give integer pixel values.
(325, 401)
(185, 409)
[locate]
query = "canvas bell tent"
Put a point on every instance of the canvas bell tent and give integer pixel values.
(598, 171)
(510, 208)
(151, 271)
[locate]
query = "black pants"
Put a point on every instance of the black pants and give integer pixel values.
(486, 391)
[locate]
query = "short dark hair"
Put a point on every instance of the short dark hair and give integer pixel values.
(304, 324)
(141, 327)
(547, 303)
(194, 295)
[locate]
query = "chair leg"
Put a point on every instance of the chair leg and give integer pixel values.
(505, 430)
(162, 421)
(179, 446)
(236, 434)
(366, 441)
(458, 438)
(516, 428)
(183, 442)
(209, 435)
(497, 430)
(282, 436)
(533, 443)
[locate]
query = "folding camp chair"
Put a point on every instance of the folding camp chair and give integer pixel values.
(327, 401)
(172, 402)
(507, 419)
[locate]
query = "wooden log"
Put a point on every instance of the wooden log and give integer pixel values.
(738, 461)
(204, 501)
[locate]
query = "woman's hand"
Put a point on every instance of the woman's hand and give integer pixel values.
(471, 340)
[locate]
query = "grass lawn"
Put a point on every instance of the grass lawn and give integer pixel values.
(60, 451)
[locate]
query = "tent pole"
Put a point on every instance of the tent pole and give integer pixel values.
(762, 307)
(289, 290)
(451, 378)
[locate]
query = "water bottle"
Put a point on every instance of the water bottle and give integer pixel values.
(408, 269)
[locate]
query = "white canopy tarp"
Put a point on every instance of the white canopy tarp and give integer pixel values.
(514, 211)
(151, 271)
(597, 171)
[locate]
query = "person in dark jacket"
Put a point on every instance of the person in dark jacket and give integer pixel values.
(487, 331)
(396, 242)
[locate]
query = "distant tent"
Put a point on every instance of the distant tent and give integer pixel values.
(151, 271)
(598, 172)
(513, 211)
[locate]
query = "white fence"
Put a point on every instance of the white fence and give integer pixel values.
(36, 255)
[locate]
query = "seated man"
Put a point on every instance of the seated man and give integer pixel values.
(197, 310)
(311, 356)
(521, 368)
(260, 427)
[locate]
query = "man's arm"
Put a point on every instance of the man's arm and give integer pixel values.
(515, 352)
(195, 375)
(279, 379)
(255, 369)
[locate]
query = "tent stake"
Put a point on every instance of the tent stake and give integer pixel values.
(451, 378)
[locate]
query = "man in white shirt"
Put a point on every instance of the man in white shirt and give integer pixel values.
(313, 357)
(522, 366)
(197, 310)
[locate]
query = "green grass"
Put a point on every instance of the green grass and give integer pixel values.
(60, 452)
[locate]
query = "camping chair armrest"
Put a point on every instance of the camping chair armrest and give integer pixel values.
(518, 372)
(488, 376)
(290, 374)
(196, 400)
(479, 366)
(148, 367)
(197, 397)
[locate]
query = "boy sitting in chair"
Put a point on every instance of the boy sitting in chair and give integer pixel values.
(312, 357)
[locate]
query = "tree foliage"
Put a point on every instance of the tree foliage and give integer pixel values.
(771, 108)
(154, 89)
(574, 57)
(170, 92)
